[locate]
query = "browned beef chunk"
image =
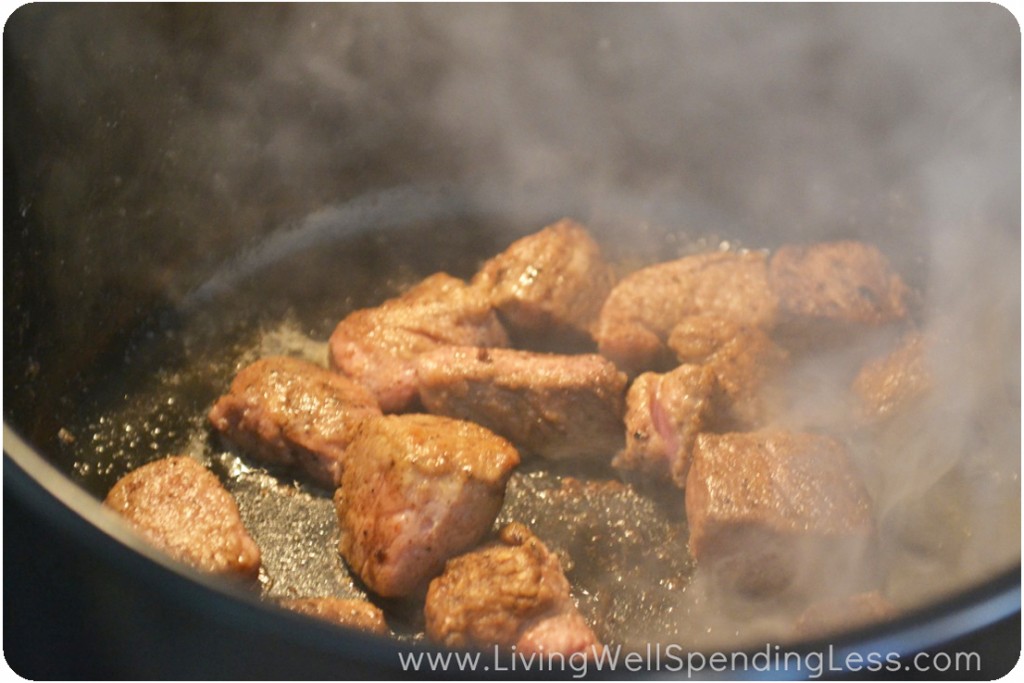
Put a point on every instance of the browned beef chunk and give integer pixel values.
(182, 508)
(416, 490)
(887, 386)
(844, 613)
(664, 414)
(773, 510)
(548, 287)
(353, 613)
(552, 405)
(828, 291)
(742, 357)
(626, 559)
(378, 346)
(290, 412)
(642, 309)
(511, 593)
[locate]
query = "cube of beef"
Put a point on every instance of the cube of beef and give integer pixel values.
(548, 287)
(843, 614)
(552, 405)
(181, 507)
(828, 291)
(642, 309)
(890, 385)
(290, 412)
(743, 359)
(664, 414)
(770, 511)
(416, 490)
(378, 346)
(511, 593)
(353, 613)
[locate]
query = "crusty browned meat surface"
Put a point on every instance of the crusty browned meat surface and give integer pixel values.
(378, 346)
(182, 508)
(548, 287)
(290, 412)
(844, 614)
(624, 556)
(511, 593)
(416, 490)
(664, 414)
(642, 309)
(743, 358)
(349, 612)
(768, 510)
(828, 290)
(886, 386)
(555, 406)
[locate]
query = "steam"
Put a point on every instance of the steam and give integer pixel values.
(771, 124)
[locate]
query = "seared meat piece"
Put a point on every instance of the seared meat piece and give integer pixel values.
(554, 406)
(182, 508)
(644, 306)
(770, 510)
(353, 613)
(548, 287)
(840, 614)
(416, 490)
(886, 386)
(290, 412)
(742, 357)
(664, 414)
(378, 346)
(626, 559)
(511, 593)
(827, 291)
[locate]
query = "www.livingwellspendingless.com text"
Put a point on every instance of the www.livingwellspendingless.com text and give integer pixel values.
(674, 658)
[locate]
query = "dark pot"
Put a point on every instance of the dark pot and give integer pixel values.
(166, 163)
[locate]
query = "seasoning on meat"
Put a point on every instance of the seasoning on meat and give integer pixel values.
(773, 510)
(354, 613)
(887, 386)
(664, 414)
(378, 346)
(844, 613)
(511, 593)
(416, 490)
(182, 508)
(552, 405)
(642, 309)
(743, 358)
(828, 290)
(548, 287)
(290, 412)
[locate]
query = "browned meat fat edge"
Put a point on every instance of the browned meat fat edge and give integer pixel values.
(744, 360)
(378, 346)
(844, 613)
(643, 307)
(664, 414)
(555, 406)
(353, 613)
(181, 508)
(548, 287)
(287, 411)
(769, 506)
(511, 593)
(831, 290)
(888, 386)
(804, 296)
(417, 490)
